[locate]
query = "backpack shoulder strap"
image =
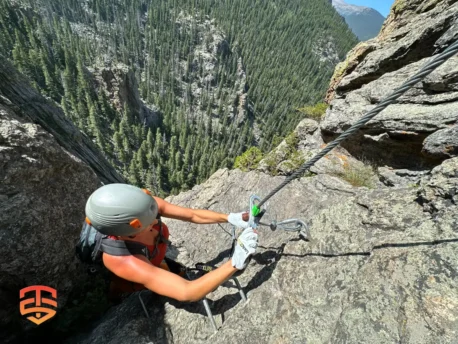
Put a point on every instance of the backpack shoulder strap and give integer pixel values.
(97, 247)
(123, 248)
(161, 238)
(126, 248)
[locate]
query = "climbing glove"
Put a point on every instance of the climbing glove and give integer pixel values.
(246, 245)
(239, 220)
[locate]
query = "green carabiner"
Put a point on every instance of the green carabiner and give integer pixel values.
(255, 210)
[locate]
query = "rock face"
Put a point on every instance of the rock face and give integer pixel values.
(121, 87)
(326, 51)
(303, 144)
(196, 80)
(213, 46)
(365, 22)
(443, 143)
(45, 181)
(417, 131)
(380, 267)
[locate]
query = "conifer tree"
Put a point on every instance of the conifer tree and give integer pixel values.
(134, 175)
(272, 70)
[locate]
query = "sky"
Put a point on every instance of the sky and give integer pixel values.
(383, 6)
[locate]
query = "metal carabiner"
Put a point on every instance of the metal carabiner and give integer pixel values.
(298, 224)
(251, 220)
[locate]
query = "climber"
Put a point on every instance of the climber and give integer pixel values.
(127, 214)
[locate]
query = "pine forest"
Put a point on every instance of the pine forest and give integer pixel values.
(171, 91)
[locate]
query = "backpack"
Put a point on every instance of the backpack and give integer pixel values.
(92, 244)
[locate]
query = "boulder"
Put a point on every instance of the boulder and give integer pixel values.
(443, 143)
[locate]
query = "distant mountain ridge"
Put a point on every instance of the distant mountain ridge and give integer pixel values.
(365, 22)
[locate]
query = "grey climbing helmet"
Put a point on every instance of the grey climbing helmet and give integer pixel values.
(120, 209)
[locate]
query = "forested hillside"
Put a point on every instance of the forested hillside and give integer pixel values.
(201, 81)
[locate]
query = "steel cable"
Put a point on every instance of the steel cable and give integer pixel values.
(420, 75)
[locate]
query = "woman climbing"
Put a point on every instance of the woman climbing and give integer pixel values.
(135, 242)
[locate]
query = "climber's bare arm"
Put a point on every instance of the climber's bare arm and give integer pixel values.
(139, 270)
(167, 209)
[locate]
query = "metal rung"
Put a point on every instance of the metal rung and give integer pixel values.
(241, 292)
(210, 314)
(143, 304)
(204, 301)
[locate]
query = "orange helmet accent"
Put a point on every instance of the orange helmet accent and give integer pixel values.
(88, 221)
(147, 192)
(136, 223)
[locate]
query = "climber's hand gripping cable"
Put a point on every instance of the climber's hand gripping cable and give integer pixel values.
(239, 220)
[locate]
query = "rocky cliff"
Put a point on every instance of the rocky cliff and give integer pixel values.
(47, 171)
(19, 96)
(118, 82)
(419, 130)
(380, 266)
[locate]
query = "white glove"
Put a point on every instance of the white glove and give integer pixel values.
(237, 219)
(246, 245)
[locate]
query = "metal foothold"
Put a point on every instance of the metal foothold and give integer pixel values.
(209, 314)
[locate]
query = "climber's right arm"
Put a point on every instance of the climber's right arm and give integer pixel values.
(139, 270)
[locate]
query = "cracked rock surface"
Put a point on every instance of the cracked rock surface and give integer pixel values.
(418, 131)
(380, 267)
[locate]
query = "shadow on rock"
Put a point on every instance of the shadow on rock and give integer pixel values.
(127, 322)
(269, 259)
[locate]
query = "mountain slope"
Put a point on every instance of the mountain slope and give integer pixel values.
(213, 78)
(380, 266)
(365, 22)
(48, 169)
